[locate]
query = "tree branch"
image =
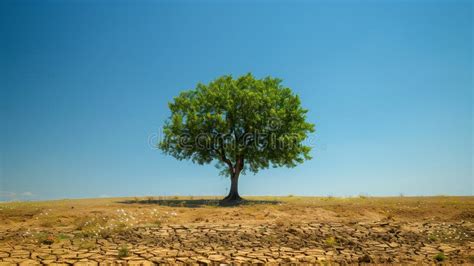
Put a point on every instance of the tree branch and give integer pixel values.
(224, 159)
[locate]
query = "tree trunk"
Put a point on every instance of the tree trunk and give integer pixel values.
(234, 189)
(234, 179)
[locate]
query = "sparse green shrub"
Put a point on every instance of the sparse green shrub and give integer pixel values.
(440, 257)
(330, 241)
(432, 237)
(123, 252)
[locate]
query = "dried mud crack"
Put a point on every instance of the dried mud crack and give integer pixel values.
(264, 230)
(314, 242)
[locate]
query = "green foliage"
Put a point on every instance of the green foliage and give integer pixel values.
(123, 252)
(440, 257)
(243, 123)
(330, 241)
(432, 237)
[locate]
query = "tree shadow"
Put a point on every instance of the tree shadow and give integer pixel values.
(199, 203)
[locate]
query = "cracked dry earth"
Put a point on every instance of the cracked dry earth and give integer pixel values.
(193, 240)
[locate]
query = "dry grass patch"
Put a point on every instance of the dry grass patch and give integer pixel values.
(18, 212)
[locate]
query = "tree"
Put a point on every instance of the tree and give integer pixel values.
(243, 125)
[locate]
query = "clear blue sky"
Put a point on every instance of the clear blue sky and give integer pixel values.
(84, 84)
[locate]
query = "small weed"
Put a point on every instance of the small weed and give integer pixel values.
(432, 237)
(330, 241)
(471, 258)
(440, 257)
(123, 252)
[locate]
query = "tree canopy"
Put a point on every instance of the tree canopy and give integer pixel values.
(243, 125)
